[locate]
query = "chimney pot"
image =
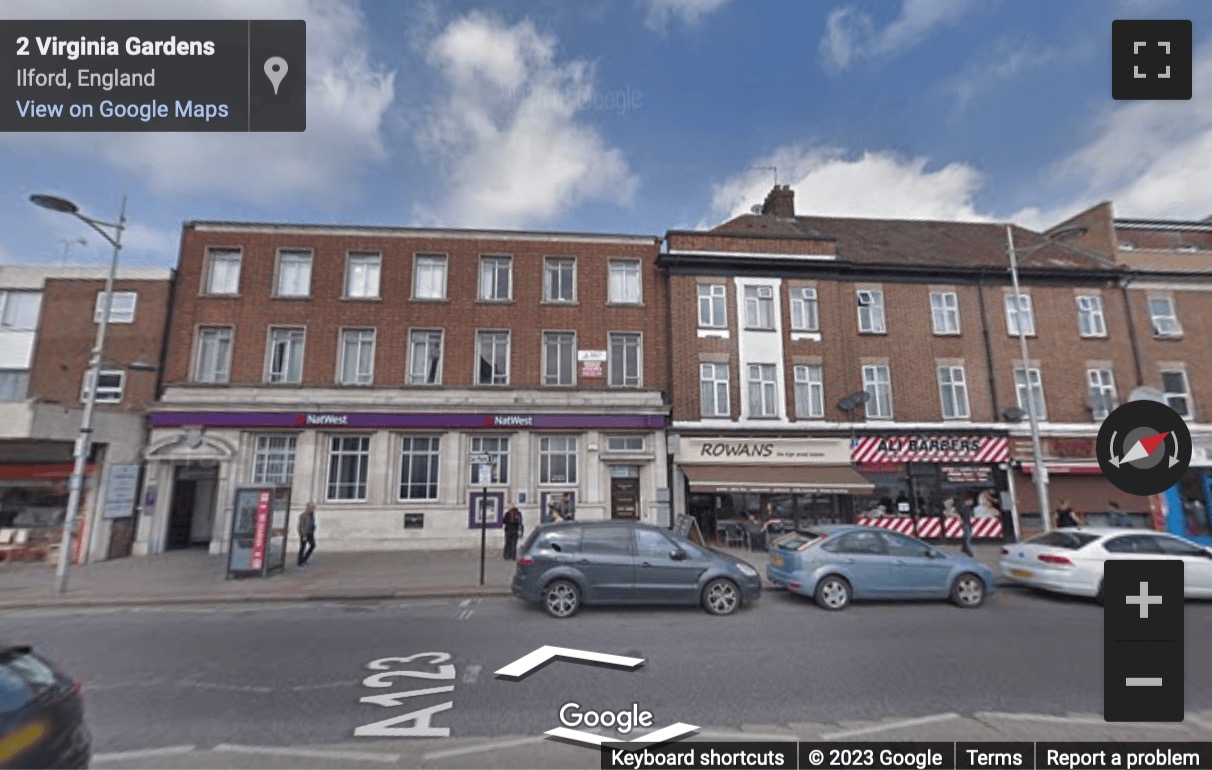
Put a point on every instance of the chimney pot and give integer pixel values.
(780, 202)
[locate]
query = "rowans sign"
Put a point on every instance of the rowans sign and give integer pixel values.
(763, 451)
(931, 448)
(380, 420)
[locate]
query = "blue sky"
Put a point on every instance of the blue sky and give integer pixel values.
(645, 115)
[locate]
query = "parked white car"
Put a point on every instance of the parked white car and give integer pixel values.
(1070, 560)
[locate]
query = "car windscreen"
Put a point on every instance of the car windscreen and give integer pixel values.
(1068, 540)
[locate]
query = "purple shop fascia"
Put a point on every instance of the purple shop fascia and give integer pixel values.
(396, 420)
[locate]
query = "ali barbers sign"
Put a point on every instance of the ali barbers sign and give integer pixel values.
(931, 448)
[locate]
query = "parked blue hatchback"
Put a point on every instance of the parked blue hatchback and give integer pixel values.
(837, 564)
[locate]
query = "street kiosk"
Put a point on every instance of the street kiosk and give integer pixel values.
(260, 525)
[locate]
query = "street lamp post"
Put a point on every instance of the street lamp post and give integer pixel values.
(84, 439)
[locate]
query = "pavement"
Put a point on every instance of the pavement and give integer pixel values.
(194, 576)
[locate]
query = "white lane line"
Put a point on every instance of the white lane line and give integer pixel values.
(465, 603)
(115, 685)
(228, 687)
(721, 736)
(287, 751)
(302, 687)
(986, 715)
(471, 674)
(121, 756)
(1198, 721)
(482, 747)
(890, 726)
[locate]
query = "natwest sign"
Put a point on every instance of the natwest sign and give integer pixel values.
(512, 421)
(763, 451)
(931, 448)
(327, 420)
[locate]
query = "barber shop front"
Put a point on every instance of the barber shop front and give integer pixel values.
(730, 483)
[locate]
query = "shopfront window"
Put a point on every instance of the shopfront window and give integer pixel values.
(1195, 511)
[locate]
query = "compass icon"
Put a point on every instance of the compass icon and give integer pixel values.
(1144, 447)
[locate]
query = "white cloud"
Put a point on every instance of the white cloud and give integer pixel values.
(1151, 159)
(830, 182)
(506, 132)
(1007, 60)
(662, 13)
(347, 98)
(851, 36)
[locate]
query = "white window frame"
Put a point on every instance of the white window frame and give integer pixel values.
(107, 393)
(1014, 312)
(481, 336)
(495, 268)
(871, 311)
(426, 266)
(1091, 320)
(431, 454)
(718, 387)
(1034, 376)
(423, 339)
(10, 319)
(565, 344)
(762, 390)
(759, 307)
(360, 336)
(877, 380)
(953, 378)
(289, 335)
(1165, 324)
(568, 449)
(270, 450)
(805, 309)
(944, 312)
(121, 308)
(622, 376)
(301, 285)
(360, 454)
(1185, 395)
(225, 282)
(496, 447)
(809, 390)
(14, 385)
(221, 367)
(621, 275)
(1103, 395)
(713, 305)
(620, 444)
(369, 285)
(554, 267)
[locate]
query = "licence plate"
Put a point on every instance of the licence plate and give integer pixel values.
(1021, 572)
(777, 561)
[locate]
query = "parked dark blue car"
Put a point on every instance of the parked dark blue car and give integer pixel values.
(839, 563)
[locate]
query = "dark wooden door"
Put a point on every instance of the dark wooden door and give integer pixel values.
(181, 517)
(625, 498)
(121, 537)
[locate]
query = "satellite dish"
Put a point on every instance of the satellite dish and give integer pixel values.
(755, 209)
(1014, 414)
(1144, 393)
(853, 400)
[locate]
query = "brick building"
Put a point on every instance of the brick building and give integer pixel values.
(825, 367)
(48, 326)
(362, 368)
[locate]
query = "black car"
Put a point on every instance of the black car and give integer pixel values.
(565, 565)
(41, 713)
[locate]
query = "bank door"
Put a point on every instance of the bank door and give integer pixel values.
(624, 492)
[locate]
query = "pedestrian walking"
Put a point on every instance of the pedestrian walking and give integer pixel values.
(965, 514)
(567, 513)
(307, 533)
(1066, 516)
(1117, 516)
(513, 530)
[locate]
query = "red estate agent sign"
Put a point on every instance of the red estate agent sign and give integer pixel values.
(258, 554)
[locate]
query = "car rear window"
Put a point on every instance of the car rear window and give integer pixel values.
(1069, 540)
(23, 677)
(797, 540)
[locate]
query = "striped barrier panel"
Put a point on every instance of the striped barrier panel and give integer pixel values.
(932, 527)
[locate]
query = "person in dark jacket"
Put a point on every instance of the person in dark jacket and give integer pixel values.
(965, 514)
(513, 530)
(307, 533)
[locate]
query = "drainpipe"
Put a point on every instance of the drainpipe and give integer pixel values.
(1132, 336)
(992, 370)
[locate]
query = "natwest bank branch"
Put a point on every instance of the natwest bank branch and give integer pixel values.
(914, 474)
(802, 480)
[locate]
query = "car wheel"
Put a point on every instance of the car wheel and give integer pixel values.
(833, 593)
(562, 598)
(721, 597)
(968, 591)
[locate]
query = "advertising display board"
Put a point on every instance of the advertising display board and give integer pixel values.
(260, 525)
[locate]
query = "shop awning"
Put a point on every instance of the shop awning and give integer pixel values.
(777, 479)
(1067, 469)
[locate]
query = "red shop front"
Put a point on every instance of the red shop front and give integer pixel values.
(915, 474)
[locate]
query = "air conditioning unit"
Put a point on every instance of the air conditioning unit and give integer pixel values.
(866, 298)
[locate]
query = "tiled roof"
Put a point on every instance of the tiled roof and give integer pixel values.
(921, 242)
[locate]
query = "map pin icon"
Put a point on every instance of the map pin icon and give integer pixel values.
(275, 70)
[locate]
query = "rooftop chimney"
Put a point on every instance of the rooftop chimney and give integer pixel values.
(780, 202)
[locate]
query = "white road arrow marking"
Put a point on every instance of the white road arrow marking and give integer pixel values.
(663, 735)
(528, 664)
